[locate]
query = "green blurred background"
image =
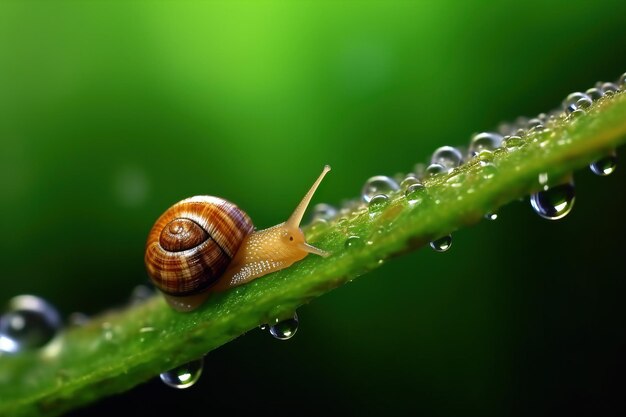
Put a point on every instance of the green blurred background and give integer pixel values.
(112, 111)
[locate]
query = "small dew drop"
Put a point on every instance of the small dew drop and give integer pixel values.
(107, 331)
(183, 376)
(573, 98)
(343, 222)
(484, 141)
(377, 203)
(442, 244)
(447, 156)
(77, 319)
(622, 81)
(543, 180)
(554, 202)
(353, 241)
(604, 166)
(609, 88)
(408, 181)
(491, 216)
(578, 113)
(285, 329)
(584, 103)
(533, 123)
(380, 184)
(29, 323)
(594, 93)
(434, 169)
(415, 193)
(323, 211)
(489, 170)
(140, 294)
(536, 129)
(512, 142)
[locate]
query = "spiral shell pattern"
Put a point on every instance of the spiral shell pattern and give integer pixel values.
(192, 243)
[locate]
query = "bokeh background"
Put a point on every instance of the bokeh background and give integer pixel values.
(112, 111)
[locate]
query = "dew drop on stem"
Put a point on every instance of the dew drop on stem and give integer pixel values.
(183, 376)
(604, 166)
(28, 323)
(442, 244)
(285, 329)
(379, 184)
(555, 202)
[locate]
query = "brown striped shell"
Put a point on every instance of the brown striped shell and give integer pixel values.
(192, 243)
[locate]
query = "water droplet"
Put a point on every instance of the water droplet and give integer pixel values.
(604, 166)
(380, 184)
(377, 203)
(442, 244)
(489, 170)
(505, 128)
(536, 129)
(594, 93)
(555, 202)
(343, 222)
(353, 241)
(447, 156)
(543, 180)
(622, 81)
(571, 99)
(434, 169)
(485, 141)
(285, 329)
(609, 88)
(78, 319)
(576, 114)
(511, 143)
(584, 103)
(491, 216)
(419, 169)
(415, 193)
(533, 123)
(140, 294)
(323, 211)
(183, 376)
(30, 322)
(107, 331)
(408, 181)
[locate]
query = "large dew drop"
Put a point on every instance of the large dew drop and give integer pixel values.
(29, 323)
(285, 329)
(447, 156)
(555, 202)
(380, 184)
(183, 376)
(485, 141)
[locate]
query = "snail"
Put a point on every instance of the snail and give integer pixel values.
(206, 244)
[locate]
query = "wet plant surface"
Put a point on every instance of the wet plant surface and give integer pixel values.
(117, 350)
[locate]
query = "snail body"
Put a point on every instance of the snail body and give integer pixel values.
(205, 244)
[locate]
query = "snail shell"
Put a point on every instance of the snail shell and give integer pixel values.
(192, 243)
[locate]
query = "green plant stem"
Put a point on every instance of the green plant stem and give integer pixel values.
(120, 349)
